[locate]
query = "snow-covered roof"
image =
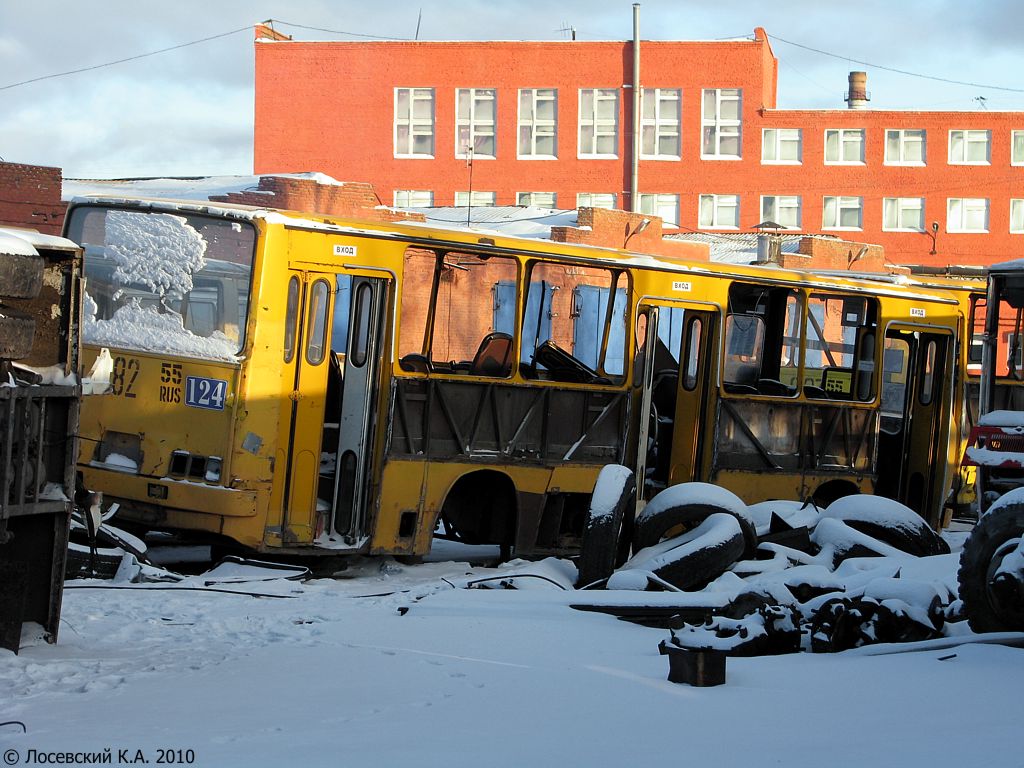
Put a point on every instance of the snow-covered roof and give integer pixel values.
(181, 188)
(514, 220)
(27, 242)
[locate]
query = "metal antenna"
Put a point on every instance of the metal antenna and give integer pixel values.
(418, 20)
(981, 101)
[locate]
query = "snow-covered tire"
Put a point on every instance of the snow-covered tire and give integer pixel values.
(892, 523)
(80, 564)
(21, 275)
(17, 333)
(706, 557)
(992, 607)
(606, 524)
(657, 521)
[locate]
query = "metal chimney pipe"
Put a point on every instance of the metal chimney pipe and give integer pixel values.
(857, 97)
(634, 176)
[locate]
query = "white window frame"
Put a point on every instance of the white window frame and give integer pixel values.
(719, 205)
(596, 200)
(721, 127)
(956, 221)
(414, 198)
(968, 138)
(478, 199)
(539, 127)
(663, 205)
(1016, 158)
(772, 141)
(901, 208)
(417, 126)
(1017, 215)
(666, 122)
(530, 198)
(475, 125)
(843, 203)
(780, 203)
(905, 137)
(602, 127)
(843, 136)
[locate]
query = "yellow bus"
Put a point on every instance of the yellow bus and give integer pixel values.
(299, 384)
(793, 385)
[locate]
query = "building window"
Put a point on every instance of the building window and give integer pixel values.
(665, 206)
(904, 147)
(842, 213)
(970, 147)
(1017, 217)
(781, 209)
(475, 199)
(903, 214)
(781, 146)
(536, 199)
(595, 200)
(599, 123)
(967, 214)
(538, 123)
(721, 128)
(844, 146)
(414, 198)
(414, 122)
(1017, 147)
(474, 122)
(719, 212)
(659, 124)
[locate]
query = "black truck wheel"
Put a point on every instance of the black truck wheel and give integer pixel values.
(993, 602)
(21, 275)
(614, 493)
(17, 332)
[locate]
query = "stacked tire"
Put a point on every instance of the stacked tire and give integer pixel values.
(21, 277)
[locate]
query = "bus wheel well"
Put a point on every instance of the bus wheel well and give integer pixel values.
(480, 508)
(831, 490)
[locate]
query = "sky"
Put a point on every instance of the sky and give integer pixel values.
(189, 111)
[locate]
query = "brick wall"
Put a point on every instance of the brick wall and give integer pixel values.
(619, 229)
(30, 196)
(349, 200)
(817, 253)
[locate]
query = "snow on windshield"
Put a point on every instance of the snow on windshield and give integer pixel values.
(173, 251)
(161, 282)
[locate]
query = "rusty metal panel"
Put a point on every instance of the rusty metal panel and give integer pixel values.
(796, 437)
(489, 421)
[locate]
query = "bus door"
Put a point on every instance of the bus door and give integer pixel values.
(336, 369)
(915, 416)
(360, 390)
(675, 388)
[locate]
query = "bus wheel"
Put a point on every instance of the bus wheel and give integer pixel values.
(662, 521)
(890, 522)
(993, 595)
(614, 493)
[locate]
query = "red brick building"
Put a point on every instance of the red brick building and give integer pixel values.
(30, 197)
(551, 123)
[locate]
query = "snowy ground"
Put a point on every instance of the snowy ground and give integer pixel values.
(396, 666)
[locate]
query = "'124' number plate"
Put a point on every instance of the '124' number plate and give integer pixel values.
(201, 392)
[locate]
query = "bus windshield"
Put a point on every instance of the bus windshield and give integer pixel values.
(161, 282)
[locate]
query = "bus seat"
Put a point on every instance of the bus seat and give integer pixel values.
(493, 356)
(773, 387)
(415, 363)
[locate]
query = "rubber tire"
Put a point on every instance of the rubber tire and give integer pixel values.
(912, 534)
(697, 569)
(21, 275)
(77, 565)
(650, 530)
(600, 549)
(17, 333)
(993, 530)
